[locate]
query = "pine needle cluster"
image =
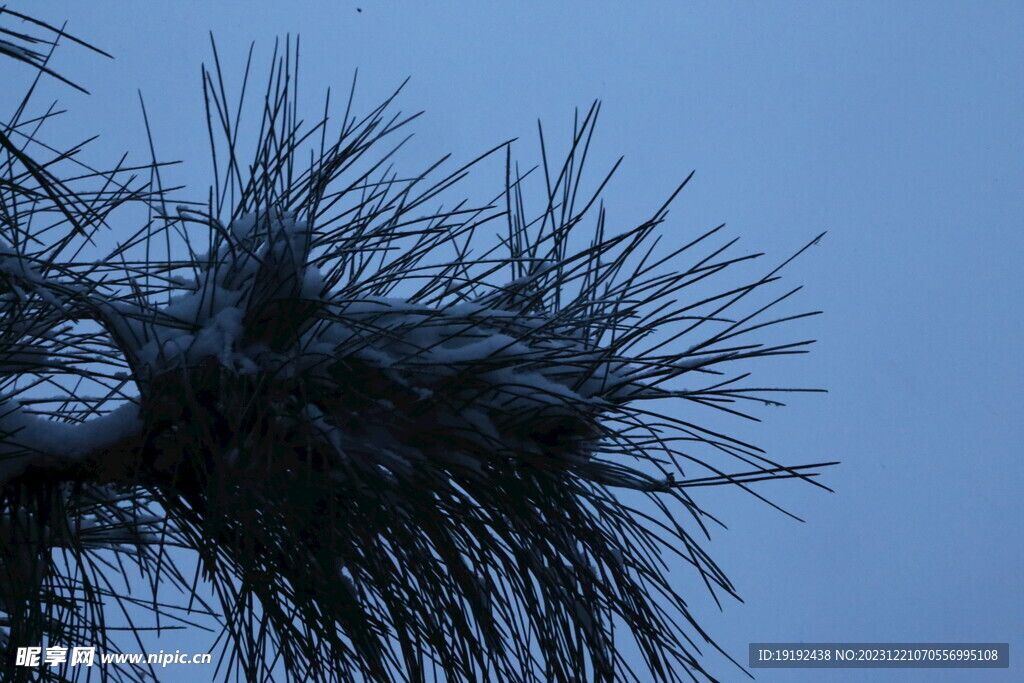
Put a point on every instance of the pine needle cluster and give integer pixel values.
(405, 442)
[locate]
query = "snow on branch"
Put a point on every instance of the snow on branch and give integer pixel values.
(404, 438)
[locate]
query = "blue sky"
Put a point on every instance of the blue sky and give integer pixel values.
(896, 127)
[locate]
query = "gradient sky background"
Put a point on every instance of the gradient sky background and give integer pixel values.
(897, 127)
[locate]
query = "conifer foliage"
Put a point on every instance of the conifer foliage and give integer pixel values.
(404, 442)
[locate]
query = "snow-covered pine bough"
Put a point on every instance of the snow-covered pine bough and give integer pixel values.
(404, 442)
